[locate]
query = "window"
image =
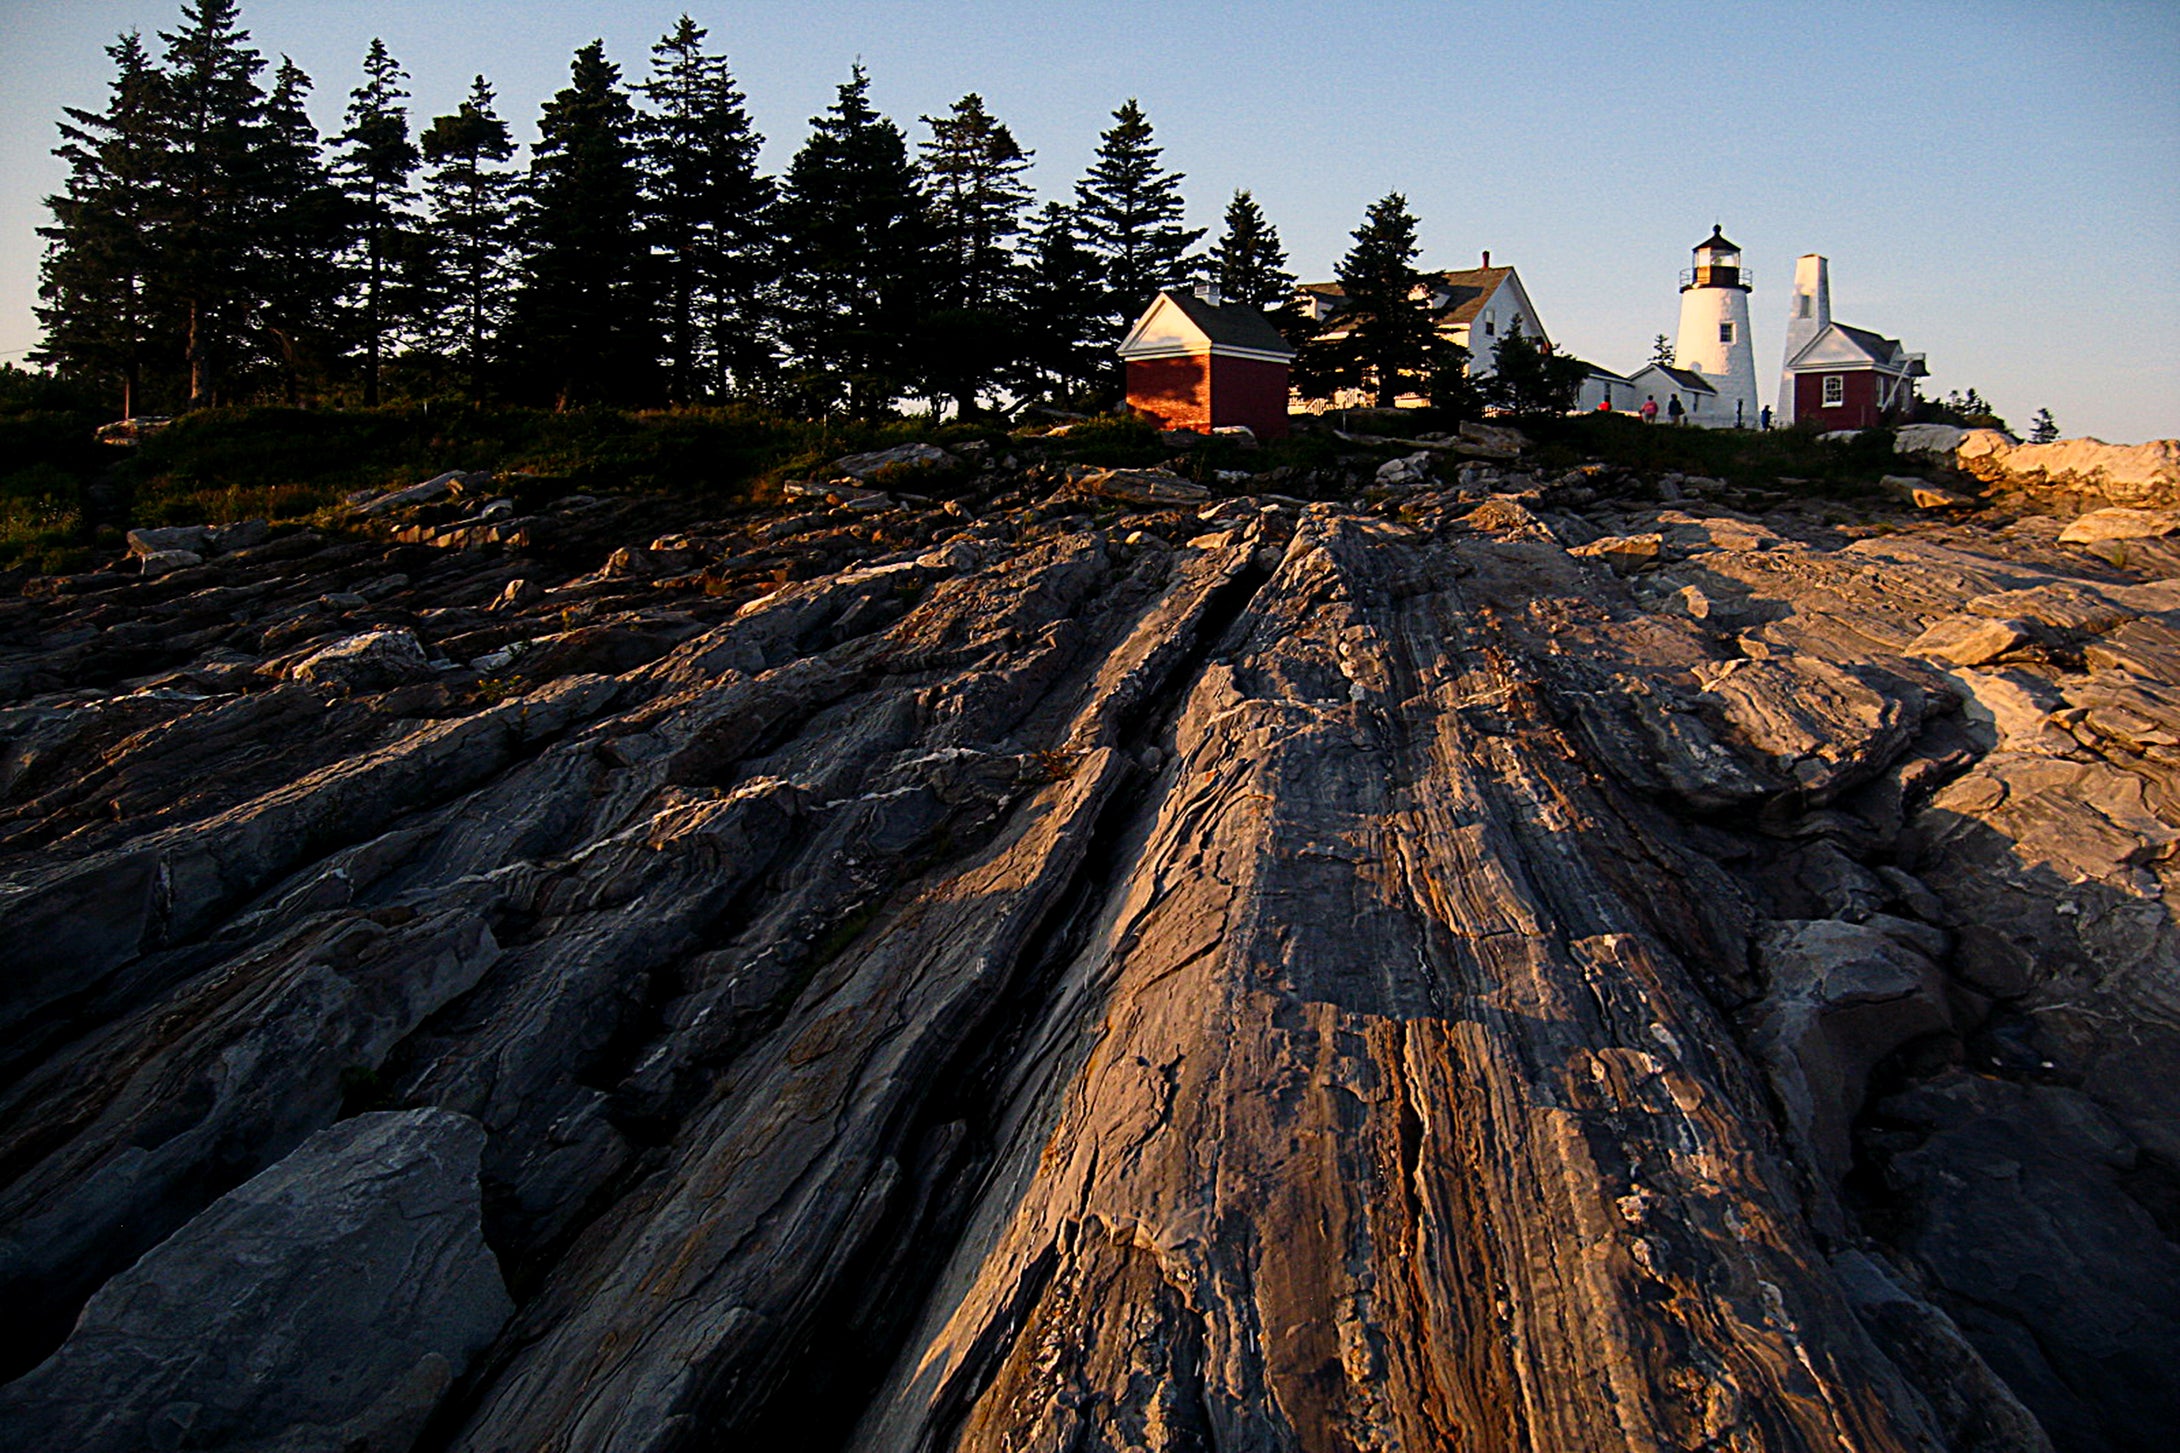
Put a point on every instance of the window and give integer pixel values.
(1725, 332)
(1835, 390)
(1801, 305)
(1491, 326)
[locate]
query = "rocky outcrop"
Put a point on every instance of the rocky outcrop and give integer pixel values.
(328, 1303)
(2067, 473)
(1521, 964)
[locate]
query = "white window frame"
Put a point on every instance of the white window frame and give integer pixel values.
(1835, 390)
(1725, 331)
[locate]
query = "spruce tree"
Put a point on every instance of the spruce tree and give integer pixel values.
(1131, 215)
(467, 195)
(1661, 351)
(376, 166)
(1064, 310)
(203, 231)
(94, 282)
(855, 236)
(2043, 429)
(582, 326)
(1383, 338)
(973, 169)
(1248, 264)
(300, 234)
(709, 214)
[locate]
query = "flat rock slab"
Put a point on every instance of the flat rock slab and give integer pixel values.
(2120, 524)
(328, 1303)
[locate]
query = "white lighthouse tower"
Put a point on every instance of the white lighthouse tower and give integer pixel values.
(1808, 314)
(1714, 334)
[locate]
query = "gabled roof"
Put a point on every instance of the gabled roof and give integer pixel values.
(1837, 345)
(1179, 323)
(1685, 378)
(1469, 289)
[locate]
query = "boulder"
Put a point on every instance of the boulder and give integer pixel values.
(1938, 439)
(1970, 640)
(327, 1303)
(160, 562)
(1400, 473)
(438, 487)
(2120, 524)
(519, 592)
(902, 458)
(1497, 438)
(372, 661)
(1924, 495)
(1625, 554)
(191, 538)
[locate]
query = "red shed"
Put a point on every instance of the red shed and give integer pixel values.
(1196, 363)
(1851, 378)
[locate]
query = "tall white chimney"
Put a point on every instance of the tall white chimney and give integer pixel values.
(1808, 313)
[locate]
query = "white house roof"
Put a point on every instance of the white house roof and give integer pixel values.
(1837, 346)
(1456, 298)
(1680, 378)
(1182, 325)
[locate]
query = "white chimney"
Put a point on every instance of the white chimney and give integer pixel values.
(1209, 292)
(1809, 312)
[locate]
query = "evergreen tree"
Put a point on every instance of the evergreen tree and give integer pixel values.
(973, 169)
(1529, 377)
(1661, 351)
(582, 325)
(467, 196)
(99, 321)
(1383, 339)
(2043, 429)
(709, 219)
(856, 235)
(203, 230)
(1064, 311)
(376, 168)
(1131, 217)
(300, 235)
(1248, 264)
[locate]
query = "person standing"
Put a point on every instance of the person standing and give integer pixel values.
(1763, 418)
(1649, 410)
(1673, 410)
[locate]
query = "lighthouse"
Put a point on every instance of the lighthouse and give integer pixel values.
(1714, 334)
(1809, 313)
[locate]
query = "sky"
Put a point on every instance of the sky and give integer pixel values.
(1996, 184)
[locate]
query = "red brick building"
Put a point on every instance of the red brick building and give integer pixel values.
(1851, 378)
(1196, 363)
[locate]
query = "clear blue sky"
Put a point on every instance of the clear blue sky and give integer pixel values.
(1997, 184)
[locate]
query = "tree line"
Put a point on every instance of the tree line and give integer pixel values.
(211, 246)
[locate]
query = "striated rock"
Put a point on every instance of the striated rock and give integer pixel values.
(1415, 468)
(1924, 495)
(372, 661)
(192, 539)
(330, 1302)
(1096, 964)
(900, 459)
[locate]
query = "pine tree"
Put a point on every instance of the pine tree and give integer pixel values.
(582, 325)
(202, 232)
(1131, 216)
(300, 234)
(1064, 311)
(709, 214)
(1248, 264)
(2043, 429)
(1383, 338)
(99, 320)
(467, 196)
(1661, 351)
(973, 169)
(855, 237)
(376, 168)
(1530, 377)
